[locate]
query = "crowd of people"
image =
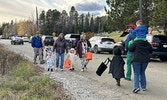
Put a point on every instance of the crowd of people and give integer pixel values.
(136, 44)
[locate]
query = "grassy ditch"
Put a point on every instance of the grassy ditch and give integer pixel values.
(21, 80)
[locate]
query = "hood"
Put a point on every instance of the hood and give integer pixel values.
(117, 51)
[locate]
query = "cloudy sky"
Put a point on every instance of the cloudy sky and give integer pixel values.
(25, 9)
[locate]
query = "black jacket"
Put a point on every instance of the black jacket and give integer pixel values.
(140, 51)
(60, 46)
(117, 65)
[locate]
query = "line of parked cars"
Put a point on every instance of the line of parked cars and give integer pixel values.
(104, 44)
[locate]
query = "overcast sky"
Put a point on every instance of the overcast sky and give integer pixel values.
(24, 9)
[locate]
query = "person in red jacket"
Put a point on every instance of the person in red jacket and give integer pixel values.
(83, 46)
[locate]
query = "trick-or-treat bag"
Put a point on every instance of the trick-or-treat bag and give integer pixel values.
(102, 67)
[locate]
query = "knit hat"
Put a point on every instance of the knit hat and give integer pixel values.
(37, 32)
(82, 36)
(72, 49)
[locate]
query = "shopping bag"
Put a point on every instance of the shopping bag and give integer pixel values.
(102, 67)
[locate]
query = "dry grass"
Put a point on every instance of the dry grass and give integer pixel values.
(21, 80)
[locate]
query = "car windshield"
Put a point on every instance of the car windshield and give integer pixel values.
(160, 39)
(49, 38)
(107, 39)
(75, 36)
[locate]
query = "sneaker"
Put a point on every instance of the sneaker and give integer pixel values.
(127, 79)
(136, 90)
(85, 67)
(144, 89)
(56, 69)
(61, 69)
(51, 69)
(82, 69)
(48, 69)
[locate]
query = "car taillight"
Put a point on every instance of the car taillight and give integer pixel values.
(154, 44)
(75, 41)
(101, 42)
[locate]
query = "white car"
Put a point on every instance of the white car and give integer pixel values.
(102, 44)
(25, 39)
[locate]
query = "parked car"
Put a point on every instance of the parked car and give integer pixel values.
(158, 43)
(30, 39)
(48, 40)
(72, 40)
(25, 39)
(102, 44)
(159, 46)
(3, 37)
(17, 40)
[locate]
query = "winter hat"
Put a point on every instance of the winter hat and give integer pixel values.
(37, 32)
(117, 51)
(48, 50)
(82, 36)
(72, 49)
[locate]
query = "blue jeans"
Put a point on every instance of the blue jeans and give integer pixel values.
(58, 55)
(139, 70)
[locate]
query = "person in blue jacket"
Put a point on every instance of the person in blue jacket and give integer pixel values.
(37, 44)
(128, 56)
(140, 31)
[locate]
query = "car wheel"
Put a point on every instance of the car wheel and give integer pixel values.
(163, 59)
(96, 49)
(14, 43)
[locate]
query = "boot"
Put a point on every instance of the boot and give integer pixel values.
(118, 82)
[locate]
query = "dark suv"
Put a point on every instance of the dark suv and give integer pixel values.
(48, 40)
(159, 46)
(158, 43)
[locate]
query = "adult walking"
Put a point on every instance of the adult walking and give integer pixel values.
(83, 46)
(140, 58)
(37, 44)
(129, 38)
(60, 46)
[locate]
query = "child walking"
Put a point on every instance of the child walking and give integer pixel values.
(117, 66)
(49, 58)
(71, 56)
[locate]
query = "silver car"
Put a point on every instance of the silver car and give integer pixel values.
(102, 44)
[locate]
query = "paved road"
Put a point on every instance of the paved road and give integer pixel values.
(88, 86)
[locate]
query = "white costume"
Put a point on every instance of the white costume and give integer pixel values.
(49, 58)
(71, 56)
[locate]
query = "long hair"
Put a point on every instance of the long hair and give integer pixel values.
(59, 37)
